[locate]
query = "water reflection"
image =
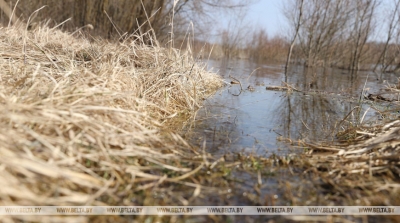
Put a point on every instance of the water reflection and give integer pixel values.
(255, 120)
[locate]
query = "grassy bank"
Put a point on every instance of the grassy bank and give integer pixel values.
(92, 123)
(81, 122)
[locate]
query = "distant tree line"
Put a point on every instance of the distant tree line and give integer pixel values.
(244, 41)
(337, 33)
(347, 34)
(113, 18)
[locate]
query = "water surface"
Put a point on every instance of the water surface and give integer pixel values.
(253, 119)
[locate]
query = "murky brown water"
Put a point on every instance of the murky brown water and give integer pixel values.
(257, 119)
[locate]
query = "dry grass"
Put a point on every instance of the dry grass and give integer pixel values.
(365, 170)
(85, 123)
(81, 121)
(362, 168)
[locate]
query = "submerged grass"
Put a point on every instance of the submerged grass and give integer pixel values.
(364, 169)
(82, 122)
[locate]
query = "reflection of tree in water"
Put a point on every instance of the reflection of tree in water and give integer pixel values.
(314, 115)
(308, 117)
(230, 123)
(327, 80)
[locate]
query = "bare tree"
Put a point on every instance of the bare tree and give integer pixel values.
(333, 31)
(297, 23)
(257, 44)
(233, 38)
(324, 23)
(362, 28)
(393, 22)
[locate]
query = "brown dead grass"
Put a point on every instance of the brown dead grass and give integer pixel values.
(365, 170)
(81, 120)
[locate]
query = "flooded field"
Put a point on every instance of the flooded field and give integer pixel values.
(248, 118)
(260, 131)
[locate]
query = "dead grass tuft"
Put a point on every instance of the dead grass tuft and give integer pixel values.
(81, 120)
(362, 171)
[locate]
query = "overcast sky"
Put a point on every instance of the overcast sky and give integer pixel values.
(267, 14)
